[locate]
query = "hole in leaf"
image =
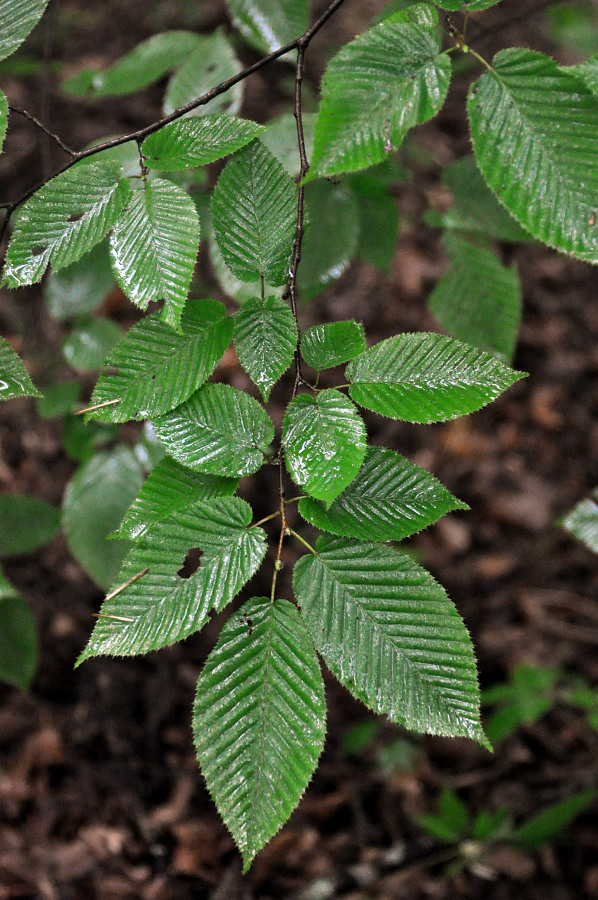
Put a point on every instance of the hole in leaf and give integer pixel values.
(38, 250)
(74, 217)
(191, 564)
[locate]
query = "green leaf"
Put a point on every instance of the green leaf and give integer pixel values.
(3, 118)
(259, 720)
(479, 299)
(265, 340)
(170, 487)
(582, 521)
(153, 247)
(26, 523)
(81, 287)
(324, 442)
(212, 62)
(18, 640)
(197, 141)
(149, 61)
(89, 342)
(18, 18)
(469, 5)
(325, 346)
(254, 212)
(58, 399)
(426, 378)
(240, 291)
(14, 378)
(587, 71)
(378, 87)
(94, 503)
(157, 369)
(280, 137)
(531, 125)
(330, 238)
(64, 219)
(389, 499)
(542, 828)
(219, 430)
(80, 440)
(391, 635)
(378, 220)
(268, 26)
(163, 606)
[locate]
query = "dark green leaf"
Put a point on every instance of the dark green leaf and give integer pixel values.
(197, 141)
(331, 236)
(59, 399)
(18, 640)
(212, 62)
(265, 340)
(89, 342)
(3, 118)
(547, 825)
(18, 18)
(268, 26)
(81, 287)
(14, 378)
(582, 521)
(80, 440)
(280, 138)
(378, 220)
(325, 346)
(26, 523)
(470, 5)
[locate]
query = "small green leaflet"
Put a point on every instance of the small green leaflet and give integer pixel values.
(426, 378)
(81, 287)
(149, 61)
(391, 635)
(170, 487)
(3, 118)
(540, 829)
(64, 219)
(254, 212)
(153, 247)
(197, 141)
(531, 124)
(325, 346)
(265, 340)
(268, 26)
(89, 342)
(157, 369)
(14, 378)
(330, 238)
(324, 442)
(389, 500)
(479, 299)
(18, 18)
(18, 640)
(259, 720)
(26, 523)
(161, 606)
(219, 430)
(378, 87)
(582, 521)
(212, 62)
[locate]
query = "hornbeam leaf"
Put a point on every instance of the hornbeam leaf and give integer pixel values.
(82, 287)
(332, 344)
(324, 442)
(17, 20)
(426, 378)
(153, 247)
(388, 500)
(3, 118)
(170, 487)
(470, 5)
(219, 430)
(587, 71)
(331, 237)
(391, 635)
(26, 523)
(268, 26)
(197, 141)
(259, 720)
(157, 369)
(14, 378)
(534, 128)
(582, 521)
(89, 342)
(378, 87)
(18, 639)
(64, 219)
(254, 215)
(265, 340)
(163, 606)
(212, 62)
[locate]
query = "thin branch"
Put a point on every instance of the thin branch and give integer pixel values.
(42, 127)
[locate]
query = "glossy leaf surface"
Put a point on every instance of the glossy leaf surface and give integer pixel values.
(426, 378)
(219, 430)
(163, 606)
(325, 346)
(64, 219)
(259, 720)
(26, 523)
(324, 442)
(388, 500)
(391, 635)
(266, 25)
(81, 287)
(254, 211)
(378, 87)
(18, 19)
(587, 71)
(18, 639)
(265, 340)
(582, 521)
(212, 62)
(86, 346)
(534, 129)
(14, 378)
(197, 141)
(157, 369)
(153, 247)
(330, 238)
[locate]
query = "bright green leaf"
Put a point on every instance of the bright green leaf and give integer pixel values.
(212, 62)
(587, 71)
(26, 523)
(156, 368)
(391, 635)
(197, 141)
(89, 342)
(532, 126)
(81, 287)
(324, 442)
(259, 720)
(582, 521)
(331, 236)
(378, 87)
(219, 430)
(18, 640)
(64, 219)
(238, 290)
(332, 344)
(18, 18)
(254, 212)
(14, 378)
(426, 378)
(153, 247)
(163, 606)
(389, 499)
(265, 340)
(268, 26)
(547, 825)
